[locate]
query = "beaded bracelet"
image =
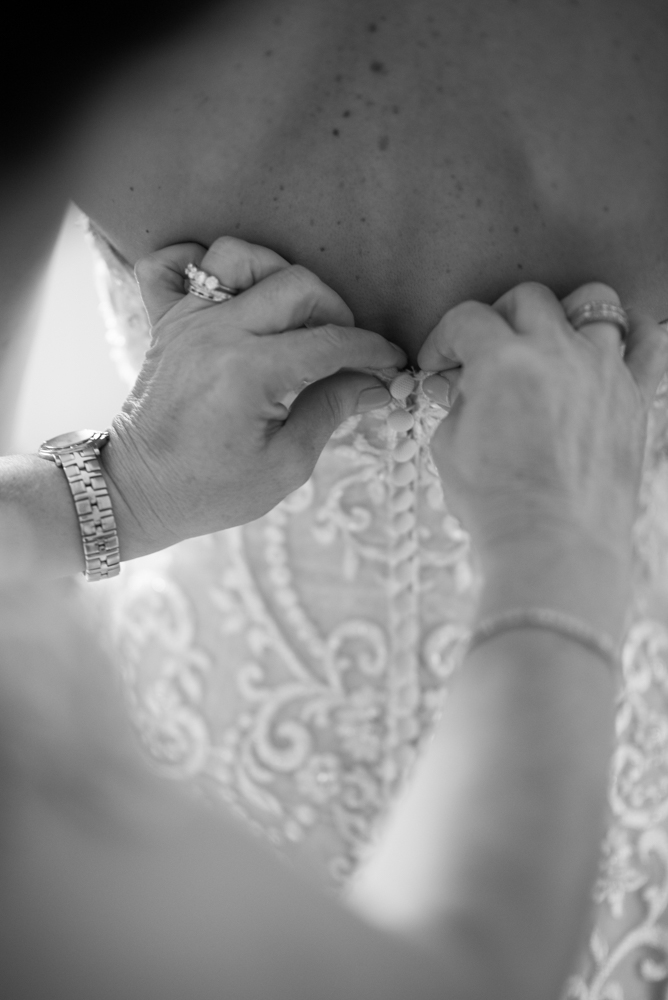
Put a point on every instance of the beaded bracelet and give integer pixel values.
(564, 624)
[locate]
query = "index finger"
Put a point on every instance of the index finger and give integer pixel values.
(309, 355)
(465, 333)
(287, 298)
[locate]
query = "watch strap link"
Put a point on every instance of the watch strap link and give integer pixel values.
(93, 506)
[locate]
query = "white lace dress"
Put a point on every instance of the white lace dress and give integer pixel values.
(291, 668)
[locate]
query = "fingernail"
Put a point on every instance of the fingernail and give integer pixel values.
(370, 399)
(438, 388)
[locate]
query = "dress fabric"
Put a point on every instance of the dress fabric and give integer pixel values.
(291, 668)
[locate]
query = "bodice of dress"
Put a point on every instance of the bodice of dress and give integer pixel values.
(292, 667)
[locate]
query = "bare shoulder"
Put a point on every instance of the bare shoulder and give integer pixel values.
(475, 142)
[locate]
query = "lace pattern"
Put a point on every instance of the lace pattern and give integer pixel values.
(291, 668)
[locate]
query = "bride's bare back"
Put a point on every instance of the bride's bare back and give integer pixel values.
(412, 154)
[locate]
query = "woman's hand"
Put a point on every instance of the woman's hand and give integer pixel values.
(203, 442)
(547, 431)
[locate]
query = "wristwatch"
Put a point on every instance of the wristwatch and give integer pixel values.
(77, 453)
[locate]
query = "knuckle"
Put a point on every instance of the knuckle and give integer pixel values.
(300, 273)
(226, 245)
(461, 319)
(147, 268)
(463, 311)
(302, 281)
(226, 258)
(533, 306)
(533, 293)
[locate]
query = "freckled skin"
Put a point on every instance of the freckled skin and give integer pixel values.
(438, 149)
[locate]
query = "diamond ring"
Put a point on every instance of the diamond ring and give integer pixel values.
(207, 286)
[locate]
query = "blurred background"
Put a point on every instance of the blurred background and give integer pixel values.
(70, 381)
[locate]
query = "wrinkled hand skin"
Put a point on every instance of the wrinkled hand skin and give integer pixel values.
(548, 426)
(203, 441)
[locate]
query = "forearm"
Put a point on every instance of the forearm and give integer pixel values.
(521, 759)
(504, 818)
(491, 856)
(508, 801)
(40, 528)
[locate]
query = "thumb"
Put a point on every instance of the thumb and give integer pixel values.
(324, 405)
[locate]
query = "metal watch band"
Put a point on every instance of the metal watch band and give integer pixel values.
(93, 506)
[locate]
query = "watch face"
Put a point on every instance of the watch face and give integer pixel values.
(75, 439)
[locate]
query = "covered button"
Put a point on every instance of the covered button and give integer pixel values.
(404, 474)
(400, 421)
(402, 385)
(405, 450)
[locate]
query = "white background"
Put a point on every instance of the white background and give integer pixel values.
(69, 381)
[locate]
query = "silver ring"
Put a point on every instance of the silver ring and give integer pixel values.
(207, 286)
(600, 312)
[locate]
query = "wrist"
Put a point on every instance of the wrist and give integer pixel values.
(566, 572)
(140, 531)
